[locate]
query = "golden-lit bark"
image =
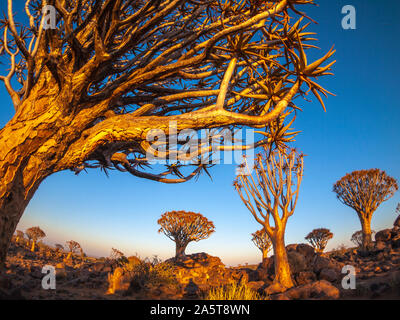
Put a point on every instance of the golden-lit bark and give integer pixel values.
(270, 190)
(88, 99)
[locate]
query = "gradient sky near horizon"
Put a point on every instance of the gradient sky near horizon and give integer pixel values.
(360, 130)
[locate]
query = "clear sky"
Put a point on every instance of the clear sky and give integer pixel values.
(360, 130)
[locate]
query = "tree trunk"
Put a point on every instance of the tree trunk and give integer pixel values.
(366, 230)
(282, 267)
(180, 250)
(264, 256)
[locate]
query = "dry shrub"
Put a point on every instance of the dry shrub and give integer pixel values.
(142, 274)
(234, 291)
(153, 272)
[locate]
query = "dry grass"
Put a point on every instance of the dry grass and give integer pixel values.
(234, 291)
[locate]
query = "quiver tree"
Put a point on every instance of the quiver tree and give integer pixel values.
(364, 191)
(73, 247)
(34, 234)
(91, 90)
(319, 238)
(357, 238)
(19, 236)
(118, 256)
(270, 191)
(262, 241)
(183, 227)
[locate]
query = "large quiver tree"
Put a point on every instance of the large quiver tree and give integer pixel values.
(88, 92)
(270, 190)
(183, 227)
(364, 191)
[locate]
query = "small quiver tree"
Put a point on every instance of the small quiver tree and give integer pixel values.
(364, 191)
(118, 257)
(34, 234)
(319, 238)
(19, 236)
(184, 227)
(262, 242)
(357, 238)
(270, 192)
(73, 247)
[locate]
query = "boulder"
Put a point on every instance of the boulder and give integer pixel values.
(383, 235)
(297, 262)
(291, 247)
(321, 290)
(255, 285)
(205, 271)
(321, 262)
(395, 241)
(306, 250)
(380, 245)
(274, 288)
(329, 274)
(305, 277)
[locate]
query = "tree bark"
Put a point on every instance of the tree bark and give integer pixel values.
(366, 230)
(282, 267)
(264, 255)
(180, 250)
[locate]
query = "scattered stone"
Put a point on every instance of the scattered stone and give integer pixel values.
(321, 290)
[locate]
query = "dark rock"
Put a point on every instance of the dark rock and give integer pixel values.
(380, 245)
(306, 250)
(329, 274)
(305, 277)
(291, 247)
(296, 261)
(321, 263)
(396, 242)
(383, 235)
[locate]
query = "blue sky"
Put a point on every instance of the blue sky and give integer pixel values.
(360, 130)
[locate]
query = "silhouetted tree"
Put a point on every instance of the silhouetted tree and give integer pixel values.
(398, 209)
(262, 242)
(88, 92)
(73, 247)
(183, 227)
(364, 191)
(34, 234)
(271, 191)
(319, 238)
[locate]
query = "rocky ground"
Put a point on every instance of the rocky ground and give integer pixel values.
(315, 276)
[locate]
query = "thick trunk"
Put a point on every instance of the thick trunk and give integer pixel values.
(366, 230)
(264, 255)
(180, 250)
(282, 268)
